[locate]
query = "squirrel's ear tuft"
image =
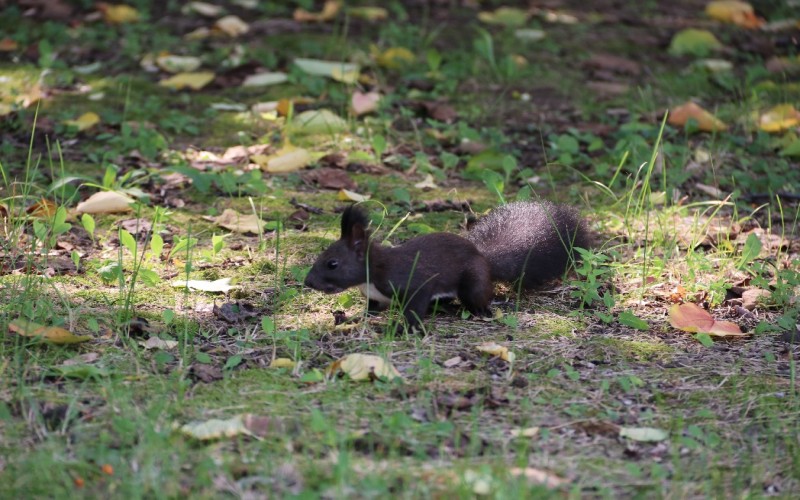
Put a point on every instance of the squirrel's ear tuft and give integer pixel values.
(353, 218)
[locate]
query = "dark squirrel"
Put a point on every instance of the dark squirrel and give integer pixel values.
(523, 242)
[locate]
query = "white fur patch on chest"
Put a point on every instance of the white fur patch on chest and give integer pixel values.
(369, 291)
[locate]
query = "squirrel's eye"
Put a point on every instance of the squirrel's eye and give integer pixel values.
(333, 264)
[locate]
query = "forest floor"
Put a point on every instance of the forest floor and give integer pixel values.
(149, 144)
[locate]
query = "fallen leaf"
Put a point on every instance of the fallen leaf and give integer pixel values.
(232, 26)
(282, 363)
(735, 12)
(753, 297)
(644, 434)
(329, 11)
(178, 64)
(118, 14)
(202, 8)
(365, 367)
(505, 16)
(538, 476)
(363, 103)
(452, 362)
(680, 116)
(427, 183)
(232, 220)
(284, 160)
(194, 81)
(216, 429)
(221, 285)
(84, 122)
(394, 57)
(339, 71)
(157, 343)
(714, 65)
(265, 79)
(530, 35)
(43, 208)
(52, 334)
(690, 317)
(527, 432)
(318, 121)
(105, 202)
(497, 350)
(779, 118)
(346, 195)
(367, 13)
(694, 42)
(8, 45)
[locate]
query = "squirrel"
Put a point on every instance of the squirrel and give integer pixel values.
(521, 242)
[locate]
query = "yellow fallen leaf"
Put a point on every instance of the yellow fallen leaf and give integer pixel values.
(345, 195)
(340, 71)
(735, 12)
(317, 121)
(395, 57)
(53, 334)
(497, 350)
(194, 81)
(288, 162)
(426, 183)
(232, 26)
(232, 220)
(706, 122)
(692, 318)
(105, 202)
(365, 367)
(694, 42)
(282, 363)
(118, 14)
(779, 118)
(157, 343)
(505, 16)
(367, 13)
(84, 122)
(329, 11)
(216, 428)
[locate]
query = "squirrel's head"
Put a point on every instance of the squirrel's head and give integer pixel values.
(343, 264)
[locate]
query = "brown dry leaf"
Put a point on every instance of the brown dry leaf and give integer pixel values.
(232, 26)
(105, 202)
(779, 118)
(538, 476)
(52, 334)
(118, 14)
(43, 208)
(232, 220)
(496, 350)
(329, 12)
(611, 62)
(706, 122)
(194, 81)
(8, 45)
(736, 12)
(330, 178)
(690, 317)
(753, 296)
(365, 367)
(363, 103)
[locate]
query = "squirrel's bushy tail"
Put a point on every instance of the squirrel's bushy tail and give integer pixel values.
(532, 240)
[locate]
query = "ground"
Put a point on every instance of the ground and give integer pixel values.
(245, 387)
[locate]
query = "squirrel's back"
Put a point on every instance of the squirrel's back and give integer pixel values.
(534, 238)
